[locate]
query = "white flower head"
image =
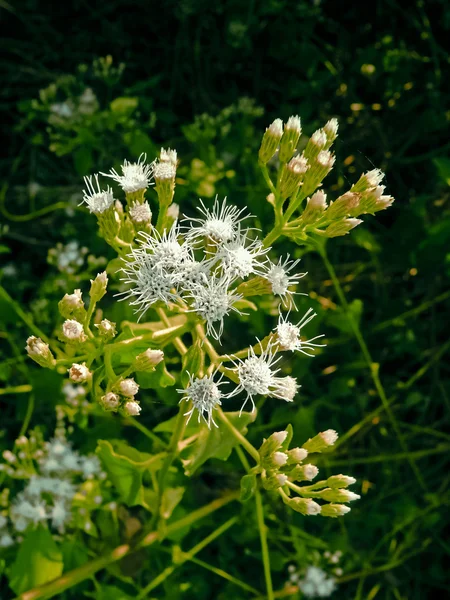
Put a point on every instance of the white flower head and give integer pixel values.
(289, 335)
(205, 394)
(59, 514)
(132, 408)
(135, 176)
(316, 583)
(212, 301)
(140, 212)
(128, 387)
(319, 138)
(239, 259)
(165, 249)
(219, 224)
(280, 277)
(97, 200)
(164, 171)
(79, 373)
(168, 155)
(285, 388)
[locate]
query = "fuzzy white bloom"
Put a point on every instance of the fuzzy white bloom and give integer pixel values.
(73, 392)
(135, 176)
(173, 212)
(192, 273)
(316, 583)
(310, 472)
(289, 334)
(97, 200)
(280, 278)
(132, 408)
(168, 155)
(329, 436)
(79, 373)
(374, 177)
(73, 331)
(165, 250)
(239, 259)
(293, 124)
(164, 170)
(59, 515)
(205, 394)
(128, 387)
(25, 512)
(140, 213)
(90, 466)
(220, 224)
(298, 454)
(285, 388)
(212, 301)
(6, 540)
(326, 159)
(276, 128)
(73, 301)
(331, 128)
(279, 436)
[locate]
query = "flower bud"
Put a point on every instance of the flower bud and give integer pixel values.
(383, 203)
(282, 479)
(271, 445)
(271, 480)
(289, 141)
(40, 352)
(140, 213)
(172, 214)
(296, 455)
(131, 409)
(320, 166)
(73, 332)
(9, 456)
(148, 360)
(321, 441)
(98, 287)
(338, 495)
(270, 141)
(335, 510)
(305, 506)
(279, 459)
(343, 206)
(315, 208)
(169, 156)
(316, 143)
(293, 175)
(339, 228)
(106, 329)
(256, 286)
(128, 387)
(110, 401)
(340, 481)
(331, 131)
(79, 373)
(72, 305)
(304, 473)
(164, 174)
(109, 223)
(368, 180)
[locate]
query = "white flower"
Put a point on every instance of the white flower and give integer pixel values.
(285, 388)
(128, 387)
(168, 155)
(72, 392)
(281, 279)
(280, 458)
(98, 200)
(165, 249)
(319, 138)
(79, 373)
(239, 259)
(110, 401)
(132, 408)
(173, 212)
(192, 273)
(219, 224)
(316, 583)
(212, 301)
(24, 512)
(205, 395)
(73, 331)
(164, 170)
(59, 515)
(6, 540)
(140, 212)
(90, 466)
(289, 334)
(135, 176)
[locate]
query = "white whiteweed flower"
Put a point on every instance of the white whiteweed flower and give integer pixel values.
(205, 395)
(212, 301)
(316, 583)
(164, 170)
(280, 278)
(135, 176)
(219, 224)
(59, 515)
(239, 259)
(289, 334)
(97, 200)
(140, 213)
(128, 387)
(73, 331)
(168, 155)
(165, 249)
(132, 408)
(258, 377)
(90, 466)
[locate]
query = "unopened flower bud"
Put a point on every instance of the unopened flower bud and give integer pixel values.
(168, 155)
(71, 305)
(321, 441)
(316, 143)
(270, 141)
(304, 472)
(305, 506)
(343, 206)
(110, 401)
(279, 436)
(131, 408)
(368, 180)
(331, 131)
(128, 387)
(293, 175)
(106, 329)
(335, 510)
(383, 203)
(9, 456)
(271, 445)
(296, 455)
(148, 360)
(289, 141)
(79, 373)
(164, 174)
(338, 495)
(282, 479)
(271, 480)
(340, 481)
(172, 214)
(279, 459)
(339, 228)
(315, 208)
(73, 332)
(40, 352)
(256, 286)
(140, 213)
(98, 286)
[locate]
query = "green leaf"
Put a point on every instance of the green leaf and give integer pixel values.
(340, 320)
(125, 466)
(124, 105)
(193, 361)
(216, 442)
(38, 560)
(4, 249)
(248, 487)
(443, 166)
(160, 377)
(171, 498)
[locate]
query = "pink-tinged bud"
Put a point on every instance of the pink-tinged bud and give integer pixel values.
(79, 373)
(343, 206)
(367, 181)
(132, 408)
(128, 387)
(71, 305)
(315, 208)
(279, 436)
(293, 175)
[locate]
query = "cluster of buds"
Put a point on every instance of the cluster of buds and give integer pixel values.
(282, 469)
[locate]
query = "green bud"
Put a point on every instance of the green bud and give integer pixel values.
(331, 131)
(339, 228)
(148, 360)
(315, 208)
(367, 181)
(106, 329)
(321, 441)
(343, 206)
(273, 480)
(334, 510)
(296, 455)
(109, 223)
(340, 481)
(72, 306)
(338, 495)
(98, 287)
(257, 286)
(271, 445)
(316, 143)
(193, 362)
(304, 506)
(289, 141)
(164, 173)
(293, 175)
(270, 141)
(40, 352)
(303, 473)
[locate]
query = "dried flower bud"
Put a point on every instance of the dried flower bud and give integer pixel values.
(339, 228)
(132, 409)
(73, 332)
(128, 387)
(72, 305)
(305, 506)
(110, 401)
(148, 360)
(98, 287)
(289, 141)
(106, 329)
(340, 481)
(296, 455)
(79, 373)
(322, 441)
(40, 352)
(335, 510)
(338, 495)
(343, 206)
(270, 141)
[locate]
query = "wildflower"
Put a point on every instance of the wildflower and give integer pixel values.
(239, 259)
(343, 206)
(212, 301)
(72, 331)
(135, 176)
(331, 131)
(173, 212)
(165, 250)
(342, 227)
(316, 583)
(335, 510)
(59, 515)
(128, 387)
(304, 472)
(205, 394)
(106, 329)
(321, 441)
(315, 208)
(131, 408)
(280, 278)
(305, 506)
(338, 495)
(270, 141)
(168, 156)
(164, 173)
(296, 455)
(71, 304)
(282, 479)
(140, 213)
(293, 175)
(147, 361)
(368, 180)
(340, 481)
(285, 388)
(291, 135)
(97, 200)
(279, 458)
(79, 373)
(289, 334)
(90, 466)
(6, 540)
(40, 352)
(219, 224)
(110, 401)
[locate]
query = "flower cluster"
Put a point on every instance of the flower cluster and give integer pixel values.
(318, 579)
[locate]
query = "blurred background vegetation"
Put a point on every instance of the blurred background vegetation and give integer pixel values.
(85, 85)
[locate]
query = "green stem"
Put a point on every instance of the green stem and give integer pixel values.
(267, 179)
(272, 236)
(264, 546)
(238, 435)
(373, 367)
